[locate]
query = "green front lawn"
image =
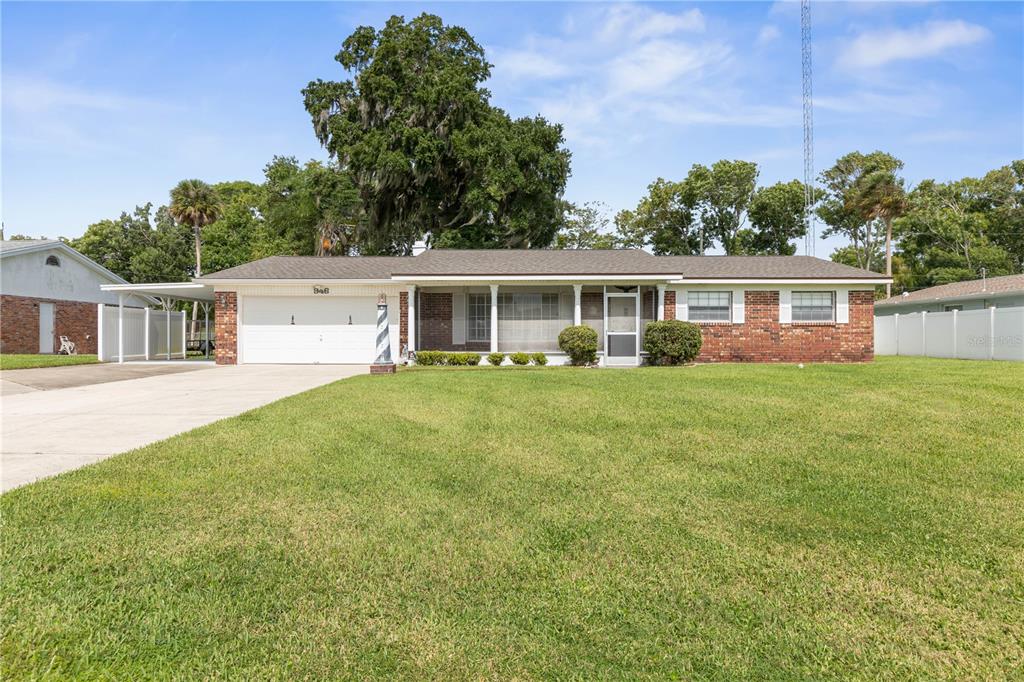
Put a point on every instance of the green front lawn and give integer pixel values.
(739, 522)
(12, 361)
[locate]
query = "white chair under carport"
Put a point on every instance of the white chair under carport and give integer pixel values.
(168, 294)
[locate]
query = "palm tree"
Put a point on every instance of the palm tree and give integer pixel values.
(195, 203)
(880, 195)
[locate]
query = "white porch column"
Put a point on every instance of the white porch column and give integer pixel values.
(494, 318)
(411, 323)
(577, 311)
(661, 302)
(145, 331)
(120, 328)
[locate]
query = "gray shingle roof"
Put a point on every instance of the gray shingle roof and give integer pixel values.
(769, 267)
(1007, 284)
(312, 267)
(510, 262)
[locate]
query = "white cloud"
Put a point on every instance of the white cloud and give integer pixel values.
(657, 64)
(635, 22)
(519, 64)
(36, 95)
(877, 48)
(768, 33)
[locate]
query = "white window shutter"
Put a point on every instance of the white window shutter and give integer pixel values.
(738, 306)
(842, 306)
(459, 318)
(682, 306)
(785, 306)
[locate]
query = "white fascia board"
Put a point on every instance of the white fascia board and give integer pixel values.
(288, 282)
(154, 285)
(499, 279)
(866, 282)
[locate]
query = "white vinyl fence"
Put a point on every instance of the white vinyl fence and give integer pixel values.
(146, 334)
(988, 334)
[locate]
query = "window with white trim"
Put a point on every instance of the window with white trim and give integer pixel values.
(709, 306)
(814, 306)
(478, 317)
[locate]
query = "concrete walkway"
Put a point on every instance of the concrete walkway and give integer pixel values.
(46, 432)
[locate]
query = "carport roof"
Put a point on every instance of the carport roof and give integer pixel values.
(182, 291)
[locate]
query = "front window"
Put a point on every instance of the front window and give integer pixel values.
(709, 306)
(478, 317)
(813, 306)
(951, 308)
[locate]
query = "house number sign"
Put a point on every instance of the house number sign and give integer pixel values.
(321, 290)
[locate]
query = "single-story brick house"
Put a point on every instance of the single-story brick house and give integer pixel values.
(298, 309)
(49, 290)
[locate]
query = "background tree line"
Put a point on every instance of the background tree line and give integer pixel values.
(416, 150)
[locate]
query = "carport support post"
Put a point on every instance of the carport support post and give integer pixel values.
(145, 321)
(120, 328)
(167, 308)
(206, 328)
(184, 344)
(494, 318)
(99, 333)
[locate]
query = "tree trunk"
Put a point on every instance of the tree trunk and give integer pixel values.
(888, 256)
(199, 271)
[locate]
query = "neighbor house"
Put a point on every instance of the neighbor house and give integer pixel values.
(49, 290)
(976, 294)
(753, 309)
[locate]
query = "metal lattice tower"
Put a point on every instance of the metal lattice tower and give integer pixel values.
(805, 52)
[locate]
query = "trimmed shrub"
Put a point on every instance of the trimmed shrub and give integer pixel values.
(431, 357)
(519, 358)
(539, 359)
(496, 358)
(458, 359)
(671, 342)
(579, 342)
(472, 359)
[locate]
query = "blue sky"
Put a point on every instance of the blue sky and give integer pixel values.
(106, 106)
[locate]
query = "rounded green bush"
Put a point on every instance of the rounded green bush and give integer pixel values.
(539, 359)
(496, 358)
(519, 358)
(671, 342)
(458, 359)
(431, 357)
(579, 342)
(473, 359)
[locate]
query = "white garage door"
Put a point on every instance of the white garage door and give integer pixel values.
(310, 330)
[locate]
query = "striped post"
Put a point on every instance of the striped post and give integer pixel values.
(383, 364)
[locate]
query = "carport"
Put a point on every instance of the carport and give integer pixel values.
(141, 330)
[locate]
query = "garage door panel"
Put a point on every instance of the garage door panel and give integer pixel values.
(307, 330)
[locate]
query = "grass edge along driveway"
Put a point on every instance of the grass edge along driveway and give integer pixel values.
(13, 361)
(726, 522)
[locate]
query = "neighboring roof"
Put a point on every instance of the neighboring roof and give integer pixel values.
(764, 267)
(11, 245)
(313, 267)
(539, 262)
(992, 286)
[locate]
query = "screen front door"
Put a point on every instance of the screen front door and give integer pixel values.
(623, 324)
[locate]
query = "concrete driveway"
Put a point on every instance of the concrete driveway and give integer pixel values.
(14, 381)
(46, 432)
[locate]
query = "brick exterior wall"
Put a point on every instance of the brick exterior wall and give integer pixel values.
(435, 325)
(761, 338)
(403, 320)
(225, 315)
(19, 324)
(670, 305)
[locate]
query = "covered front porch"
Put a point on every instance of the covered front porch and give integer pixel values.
(508, 317)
